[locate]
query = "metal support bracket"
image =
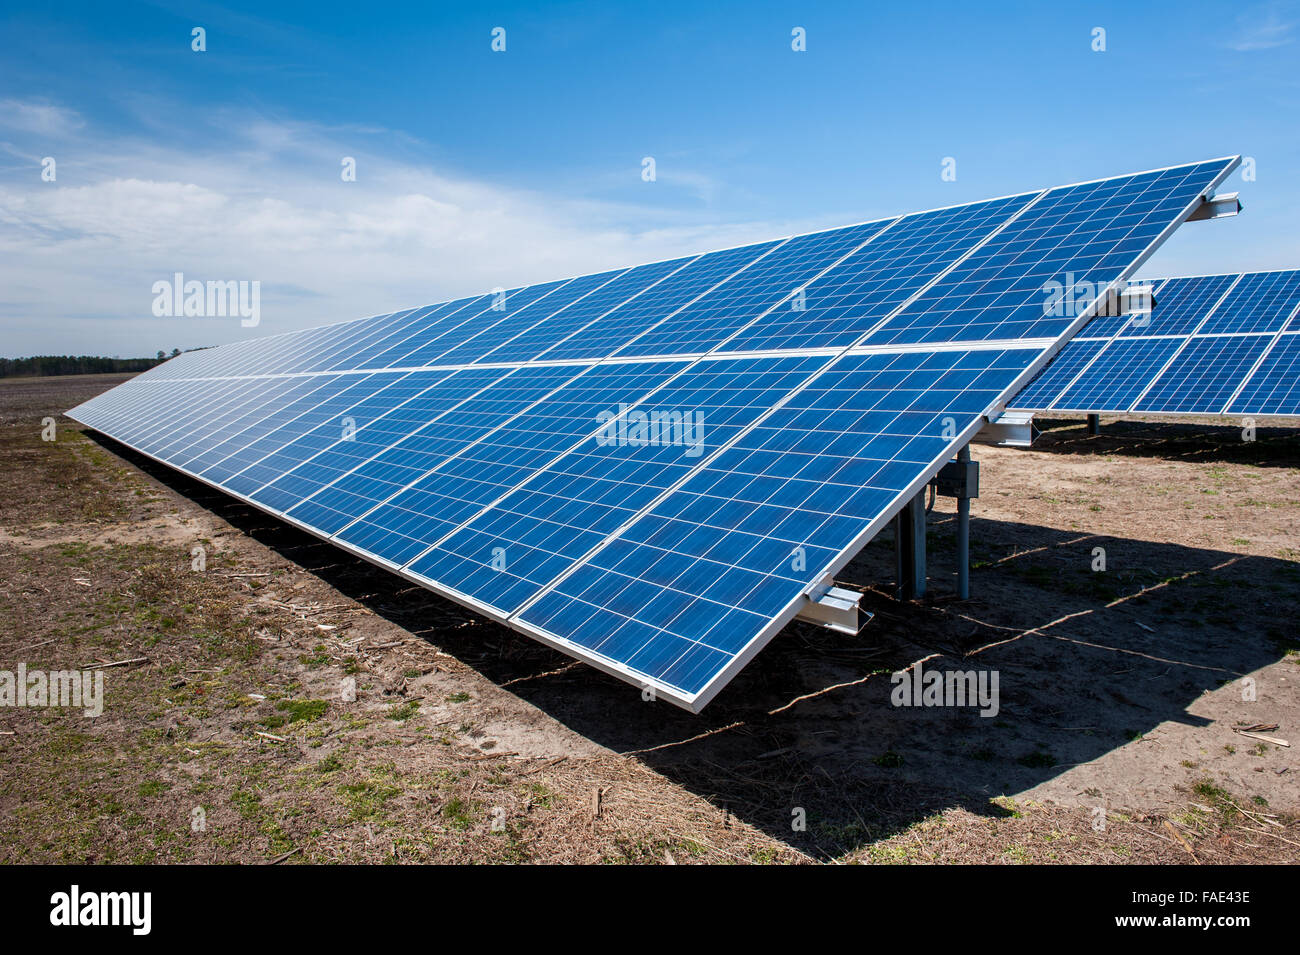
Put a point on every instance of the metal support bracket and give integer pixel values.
(971, 488)
(1133, 300)
(1216, 207)
(1011, 429)
(833, 608)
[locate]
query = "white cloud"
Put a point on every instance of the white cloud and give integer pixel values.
(41, 118)
(247, 198)
(1262, 29)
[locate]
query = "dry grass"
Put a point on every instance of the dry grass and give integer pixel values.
(470, 744)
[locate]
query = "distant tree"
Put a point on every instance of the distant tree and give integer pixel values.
(38, 365)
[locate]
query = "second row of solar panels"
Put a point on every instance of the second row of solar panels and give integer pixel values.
(1213, 344)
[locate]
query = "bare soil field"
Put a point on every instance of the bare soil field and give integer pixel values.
(227, 736)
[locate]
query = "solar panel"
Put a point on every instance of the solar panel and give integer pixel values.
(1212, 345)
(654, 468)
(1259, 302)
(1183, 305)
(1274, 387)
(1118, 375)
(685, 590)
(1205, 374)
(873, 282)
(552, 518)
(1065, 367)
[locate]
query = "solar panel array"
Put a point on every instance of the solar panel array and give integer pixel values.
(653, 468)
(1213, 344)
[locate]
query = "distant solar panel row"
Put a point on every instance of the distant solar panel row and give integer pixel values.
(1213, 344)
(653, 468)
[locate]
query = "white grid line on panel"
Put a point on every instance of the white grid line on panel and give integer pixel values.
(663, 495)
(1114, 337)
(694, 362)
(1183, 347)
(1245, 379)
(585, 369)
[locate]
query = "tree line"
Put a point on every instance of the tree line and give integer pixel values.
(40, 365)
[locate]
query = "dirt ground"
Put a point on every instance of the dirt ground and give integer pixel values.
(231, 737)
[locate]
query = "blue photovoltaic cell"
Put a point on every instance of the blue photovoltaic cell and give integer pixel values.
(255, 423)
(210, 418)
(1222, 323)
(367, 428)
(521, 320)
(179, 366)
(1052, 380)
(302, 432)
(1274, 388)
(667, 562)
(1073, 234)
(156, 413)
(287, 424)
(1205, 374)
(385, 344)
(355, 506)
(195, 364)
(514, 449)
(603, 338)
(1260, 302)
(490, 468)
(319, 349)
(294, 352)
(570, 506)
(774, 280)
(378, 339)
(688, 585)
(118, 407)
(1181, 306)
(394, 348)
(862, 290)
(430, 348)
(626, 289)
(427, 399)
(1113, 382)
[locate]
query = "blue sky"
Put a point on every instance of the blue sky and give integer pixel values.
(478, 169)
